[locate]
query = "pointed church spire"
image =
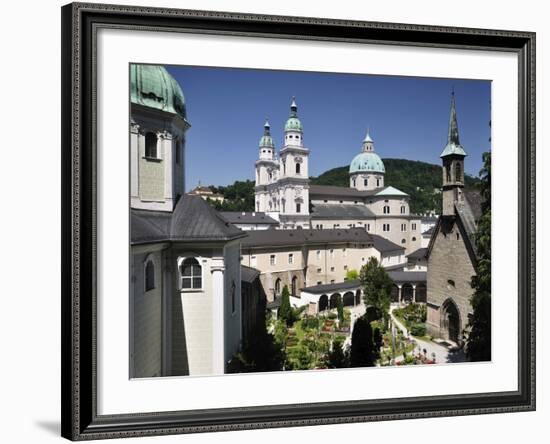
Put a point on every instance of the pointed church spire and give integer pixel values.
(368, 137)
(453, 125)
(293, 108)
(453, 146)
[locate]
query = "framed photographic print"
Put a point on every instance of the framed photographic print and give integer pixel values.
(277, 221)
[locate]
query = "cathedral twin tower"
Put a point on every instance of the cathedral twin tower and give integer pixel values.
(282, 184)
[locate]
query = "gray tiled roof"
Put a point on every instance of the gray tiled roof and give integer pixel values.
(249, 274)
(418, 254)
(192, 220)
(341, 211)
(238, 217)
(384, 245)
(326, 288)
(407, 276)
(330, 190)
(275, 238)
(316, 191)
(264, 238)
(469, 213)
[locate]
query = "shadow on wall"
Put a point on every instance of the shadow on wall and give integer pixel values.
(180, 359)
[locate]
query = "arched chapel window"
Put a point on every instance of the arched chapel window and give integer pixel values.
(297, 168)
(149, 275)
(190, 274)
(458, 172)
(294, 285)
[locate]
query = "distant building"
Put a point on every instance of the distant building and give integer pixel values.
(206, 193)
(246, 220)
(304, 257)
(451, 253)
(283, 191)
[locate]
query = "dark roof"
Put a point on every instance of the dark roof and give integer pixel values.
(325, 288)
(276, 303)
(249, 274)
(407, 276)
(418, 254)
(341, 211)
(426, 219)
(334, 191)
(192, 220)
(330, 190)
(273, 238)
(242, 217)
(384, 245)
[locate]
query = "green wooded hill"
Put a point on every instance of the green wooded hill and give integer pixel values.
(420, 180)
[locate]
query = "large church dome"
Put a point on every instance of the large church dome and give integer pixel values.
(154, 87)
(367, 162)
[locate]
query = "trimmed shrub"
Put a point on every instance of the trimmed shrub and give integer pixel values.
(418, 330)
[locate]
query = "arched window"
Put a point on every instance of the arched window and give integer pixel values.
(402, 209)
(377, 182)
(277, 287)
(191, 274)
(293, 286)
(458, 172)
(297, 168)
(149, 275)
(151, 145)
(354, 180)
(233, 299)
(298, 208)
(448, 171)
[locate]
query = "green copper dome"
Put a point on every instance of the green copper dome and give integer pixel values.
(367, 162)
(267, 141)
(154, 87)
(293, 123)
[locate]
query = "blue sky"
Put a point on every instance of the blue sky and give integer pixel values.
(408, 118)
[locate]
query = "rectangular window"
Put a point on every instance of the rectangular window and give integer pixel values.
(413, 227)
(290, 258)
(345, 267)
(319, 270)
(386, 227)
(272, 259)
(332, 281)
(331, 268)
(319, 282)
(403, 227)
(368, 227)
(298, 207)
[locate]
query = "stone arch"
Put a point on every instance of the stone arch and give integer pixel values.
(348, 299)
(394, 293)
(277, 288)
(323, 302)
(333, 302)
(407, 292)
(450, 322)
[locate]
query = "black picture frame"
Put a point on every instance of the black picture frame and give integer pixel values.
(80, 23)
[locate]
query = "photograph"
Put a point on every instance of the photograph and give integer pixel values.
(298, 220)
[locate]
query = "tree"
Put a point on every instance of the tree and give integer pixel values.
(376, 287)
(285, 310)
(351, 275)
(478, 343)
(362, 346)
(337, 357)
(340, 309)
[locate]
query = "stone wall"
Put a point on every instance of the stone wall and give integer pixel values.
(450, 271)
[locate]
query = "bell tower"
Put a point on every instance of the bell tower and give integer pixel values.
(453, 166)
